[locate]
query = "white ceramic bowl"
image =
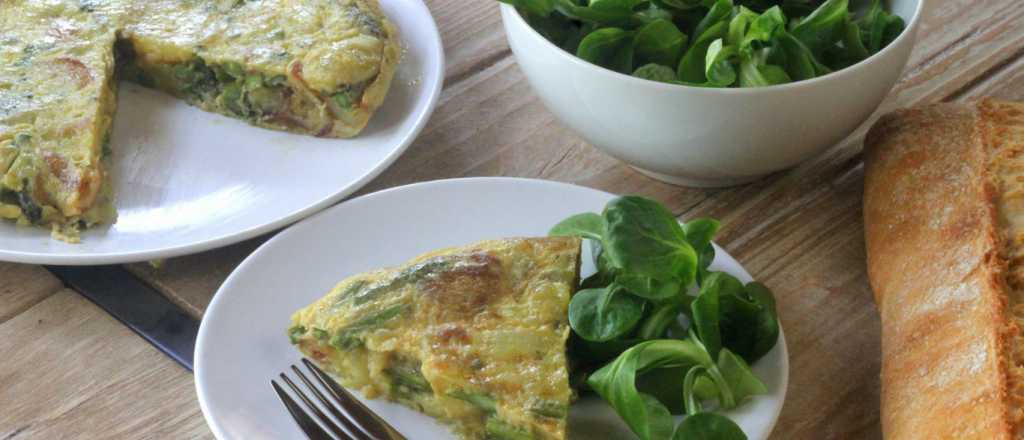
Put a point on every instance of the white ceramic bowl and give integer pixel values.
(701, 136)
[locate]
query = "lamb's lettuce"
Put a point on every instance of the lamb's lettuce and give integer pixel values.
(715, 43)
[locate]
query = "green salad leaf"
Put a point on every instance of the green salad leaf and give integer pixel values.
(750, 324)
(699, 233)
(820, 28)
(560, 30)
(616, 383)
(682, 5)
(612, 47)
(878, 28)
(605, 272)
(743, 318)
(651, 13)
(659, 42)
(715, 43)
(641, 338)
(623, 382)
(763, 28)
(658, 321)
(604, 314)
(720, 12)
(586, 225)
(656, 72)
(718, 67)
(739, 25)
(595, 354)
(645, 239)
(691, 66)
(755, 72)
(853, 42)
(799, 61)
(649, 287)
(599, 12)
(740, 379)
(706, 309)
(708, 426)
(533, 7)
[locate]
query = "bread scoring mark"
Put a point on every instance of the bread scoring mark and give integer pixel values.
(961, 365)
(943, 297)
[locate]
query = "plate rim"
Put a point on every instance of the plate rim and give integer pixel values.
(384, 163)
(283, 235)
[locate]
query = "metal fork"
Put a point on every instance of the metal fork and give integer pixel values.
(358, 422)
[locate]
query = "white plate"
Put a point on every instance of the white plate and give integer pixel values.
(187, 180)
(242, 342)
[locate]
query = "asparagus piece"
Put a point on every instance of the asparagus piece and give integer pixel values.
(482, 401)
(548, 408)
(348, 336)
(498, 429)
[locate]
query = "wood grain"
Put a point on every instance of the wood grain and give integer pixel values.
(800, 231)
(468, 31)
(187, 281)
(71, 371)
(23, 286)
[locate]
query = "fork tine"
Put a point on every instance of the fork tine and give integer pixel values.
(306, 424)
(333, 427)
(353, 426)
(368, 420)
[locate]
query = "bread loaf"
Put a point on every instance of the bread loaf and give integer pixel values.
(944, 227)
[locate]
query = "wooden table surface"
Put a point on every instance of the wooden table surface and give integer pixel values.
(68, 370)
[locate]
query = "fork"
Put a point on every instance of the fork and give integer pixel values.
(358, 422)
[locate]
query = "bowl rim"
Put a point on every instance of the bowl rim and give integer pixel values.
(512, 15)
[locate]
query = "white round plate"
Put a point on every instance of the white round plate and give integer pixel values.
(242, 342)
(188, 181)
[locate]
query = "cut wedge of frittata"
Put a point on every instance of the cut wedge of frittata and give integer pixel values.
(56, 101)
(474, 336)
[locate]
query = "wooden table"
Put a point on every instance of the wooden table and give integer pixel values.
(68, 370)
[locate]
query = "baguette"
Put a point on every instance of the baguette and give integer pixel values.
(944, 229)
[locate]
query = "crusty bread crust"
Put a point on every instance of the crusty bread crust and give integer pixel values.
(936, 266)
